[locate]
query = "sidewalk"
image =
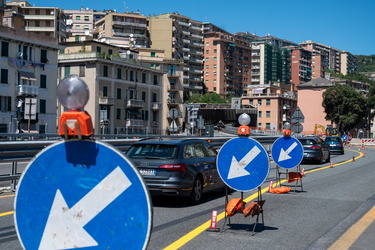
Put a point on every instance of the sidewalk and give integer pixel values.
(364, 141)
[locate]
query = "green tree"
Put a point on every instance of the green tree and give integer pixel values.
(344, 106)
(212, 98)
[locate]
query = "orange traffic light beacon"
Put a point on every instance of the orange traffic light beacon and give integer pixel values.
(244, 121)
(73, 94)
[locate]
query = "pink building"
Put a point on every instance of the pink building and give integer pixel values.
(310, 98)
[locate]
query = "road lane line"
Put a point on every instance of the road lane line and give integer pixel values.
(195, 232)
(5, 196)
(6, 213)
(353, 233)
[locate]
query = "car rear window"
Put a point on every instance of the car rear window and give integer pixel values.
(337, 139)
(152, 151)
(308, 141)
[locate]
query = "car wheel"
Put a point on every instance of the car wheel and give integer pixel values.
(329, 157)
(196, 193)
(342, 152)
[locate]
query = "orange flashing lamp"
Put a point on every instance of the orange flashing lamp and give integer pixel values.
(73, 94)
(287, 131)
(75, 123)
(244, 121)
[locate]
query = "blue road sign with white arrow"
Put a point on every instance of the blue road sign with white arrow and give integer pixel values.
(82, 194)
(287, 152)
(243, 164)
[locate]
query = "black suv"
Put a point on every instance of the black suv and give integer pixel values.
(184, 167)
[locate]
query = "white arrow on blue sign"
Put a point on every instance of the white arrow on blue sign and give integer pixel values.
(243, 164)
(287, 152)
(79, 194)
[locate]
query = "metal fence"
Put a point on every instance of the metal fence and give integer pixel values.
(15, 151)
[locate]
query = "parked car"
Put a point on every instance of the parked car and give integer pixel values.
(315, 149)
(335, 144)
(185, 167)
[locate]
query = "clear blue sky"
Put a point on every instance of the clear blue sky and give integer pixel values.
(342, 24)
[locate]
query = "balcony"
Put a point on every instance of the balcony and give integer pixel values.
(106, 101)
(27, 90)
(156, 106)
(134, 104)
(134, 123)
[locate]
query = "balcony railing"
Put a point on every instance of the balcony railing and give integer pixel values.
(134, 123)
(135, 103)
(106, 101)
(28, 90)
(156, 106)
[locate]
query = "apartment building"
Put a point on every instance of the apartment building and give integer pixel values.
(80, 23)
(181, 38)
(28, 73)
(126, 95)
(300, 65)
(323, 58)
(126, 30)
(227, 62)
(172, 88)
(48, 21)
(349, 63)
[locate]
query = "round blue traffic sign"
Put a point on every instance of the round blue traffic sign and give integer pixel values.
(82, 194)
(287, 152)
(243, 164)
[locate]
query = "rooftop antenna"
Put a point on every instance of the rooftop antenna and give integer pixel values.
(124, 7)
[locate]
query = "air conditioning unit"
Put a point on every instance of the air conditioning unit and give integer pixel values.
(19, 55)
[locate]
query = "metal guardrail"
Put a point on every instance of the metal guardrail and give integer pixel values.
(16, 151)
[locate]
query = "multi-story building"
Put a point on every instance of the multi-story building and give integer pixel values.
(172, 88)
(81, 22)
(49, 21)
(126, 95)
(349, 63)
(127, 30)
(28, 73)
(323, 58)
(181, 38)
(300, 66)
(227, 63)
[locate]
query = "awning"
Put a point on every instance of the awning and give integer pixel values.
(258, 91)
(27, 75)
(134, 112)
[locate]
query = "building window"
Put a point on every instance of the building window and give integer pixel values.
(105, 91)
(5, 49)
(268, 102)
(42, 129)
(85, 27)
(87, 18)
(215, 66)
(143, 77)
(81, 70)
(156, 80)
(76, 38)
(215, 50)
(43, 56)
(214, 88)
(119, 73)
(110, 52)
(251, 102)
(268, 114)
(5, 103)
(207, 51)
(43, 81)
(42, 106)
(214, 81)
(145, 115)
(143, 96)
(207, 66)
(78, 17)
(4, 76)
(154, 97)
(260, 101)
(207, 59)
(118, 113)
(215, 43)
(105, 71)
(207, 44)
(215, 58)
(78, 27)
(99, 49)
(153, 54)
(66, 70)
(259, 114)
(118, 93)
(268, 125)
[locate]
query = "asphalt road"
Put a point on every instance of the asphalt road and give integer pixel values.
(330, 209)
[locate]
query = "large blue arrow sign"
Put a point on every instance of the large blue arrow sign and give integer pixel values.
(82, 194)
(287, 152)
(243, 164)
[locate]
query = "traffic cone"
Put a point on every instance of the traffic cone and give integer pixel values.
(331, 165)
(213, 227)
(270, 186)
(303, 172)
(353, 159)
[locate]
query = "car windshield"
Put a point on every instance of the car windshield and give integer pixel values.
(154, 151)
